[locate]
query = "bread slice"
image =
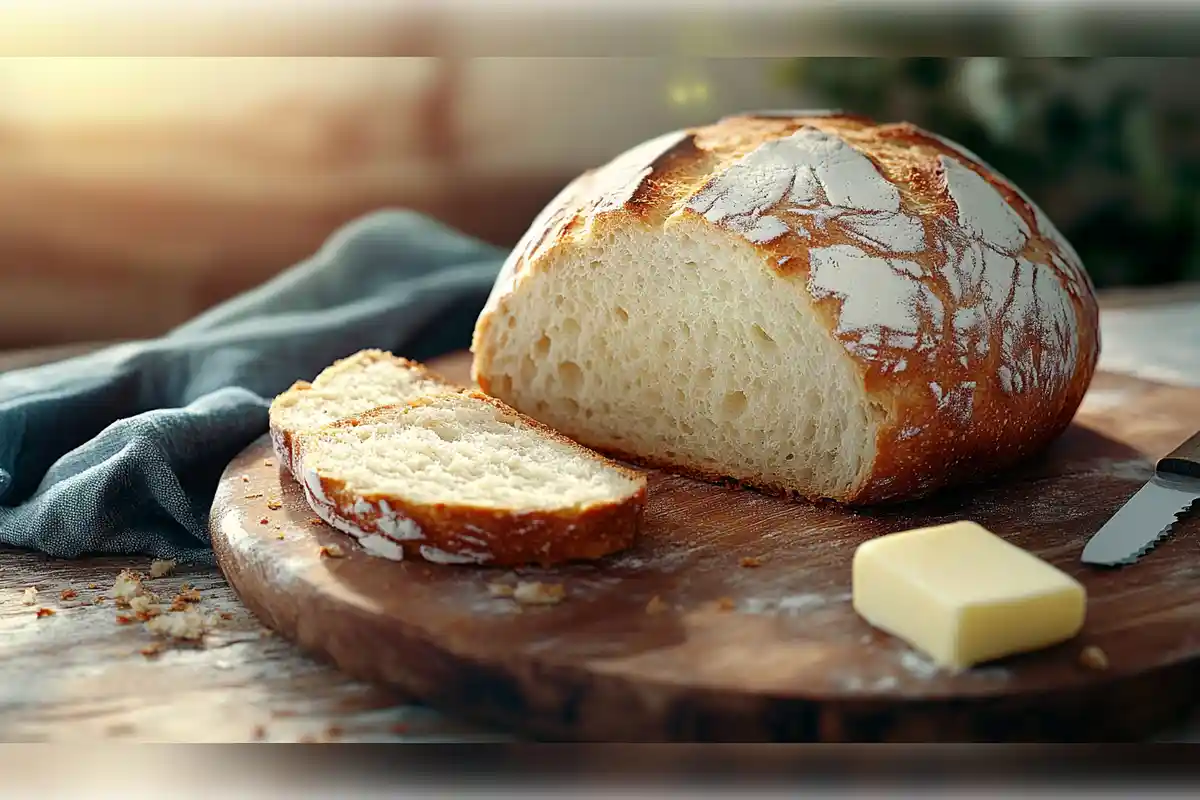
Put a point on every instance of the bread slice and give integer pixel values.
(461, 478)
(368, 379)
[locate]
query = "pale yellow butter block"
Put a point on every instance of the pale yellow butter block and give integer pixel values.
(962, 595)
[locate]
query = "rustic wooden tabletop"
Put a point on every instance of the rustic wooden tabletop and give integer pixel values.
(81, 674)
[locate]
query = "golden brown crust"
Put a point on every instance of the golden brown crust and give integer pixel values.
(457, 533)
(1003, 338)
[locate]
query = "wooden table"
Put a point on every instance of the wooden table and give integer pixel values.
(79, 674)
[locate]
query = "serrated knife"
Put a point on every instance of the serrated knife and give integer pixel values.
(1149, 515)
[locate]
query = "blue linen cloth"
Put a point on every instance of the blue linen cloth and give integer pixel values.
(119, 451)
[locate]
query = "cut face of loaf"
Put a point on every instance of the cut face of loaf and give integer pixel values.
(462, 478)
(368, 379)
(807, 303)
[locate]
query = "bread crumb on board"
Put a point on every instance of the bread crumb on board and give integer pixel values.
(188, 594)
(152, 650)
(144, 607)
(539, 594)
(274, 504)
(1093, 657)
(726, 604)
(500, 589)
(161, 567)
(127, 586)
(68, 594)
(656, 605)
(45, 612)
(330, 551)
(29, 596)
(188, 625)
(245, 479)
(751, 562)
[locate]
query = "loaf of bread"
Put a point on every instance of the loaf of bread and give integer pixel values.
(805, 302)
(352, 385)
(463, 479)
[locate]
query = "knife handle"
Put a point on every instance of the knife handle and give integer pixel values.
(1183, 460)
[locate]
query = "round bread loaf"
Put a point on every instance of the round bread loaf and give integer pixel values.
(804, 302)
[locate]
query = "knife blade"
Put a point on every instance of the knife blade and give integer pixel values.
(1148, 516)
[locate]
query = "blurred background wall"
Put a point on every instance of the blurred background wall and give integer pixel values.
(134, 192)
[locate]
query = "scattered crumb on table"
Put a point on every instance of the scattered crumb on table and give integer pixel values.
(29, 596)
(726, 604)
(127, 586)
(245, 479)
(500, 590)
(187, 626)
(656, 605)
(330, 551)
(144, 607)
(264, 521)
(540, 594)
(161, 567)
(751, 562)
(68, 594)
(274, 504)
(1093, 657)
(45, 612)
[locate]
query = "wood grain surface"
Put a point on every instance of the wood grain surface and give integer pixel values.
(735, 652)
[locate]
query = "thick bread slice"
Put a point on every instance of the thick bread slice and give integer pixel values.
(368, 379)
(464, 479)
(806, 302)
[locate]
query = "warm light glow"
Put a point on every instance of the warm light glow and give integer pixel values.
(692, 93)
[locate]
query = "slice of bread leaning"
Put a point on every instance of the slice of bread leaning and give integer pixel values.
(368, 379)
(461, 478)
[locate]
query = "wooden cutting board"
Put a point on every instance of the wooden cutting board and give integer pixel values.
(772, 652)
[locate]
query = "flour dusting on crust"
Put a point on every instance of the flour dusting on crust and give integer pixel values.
(817, 187)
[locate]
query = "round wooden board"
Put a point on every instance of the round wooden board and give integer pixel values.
(750, 654)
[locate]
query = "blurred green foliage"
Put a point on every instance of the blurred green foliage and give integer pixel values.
(1095, 144)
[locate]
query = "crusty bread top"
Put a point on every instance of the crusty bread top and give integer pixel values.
(955, 296)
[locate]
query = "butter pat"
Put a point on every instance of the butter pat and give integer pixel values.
(962, 595)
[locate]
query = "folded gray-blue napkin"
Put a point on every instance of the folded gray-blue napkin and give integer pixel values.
(120, 451)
